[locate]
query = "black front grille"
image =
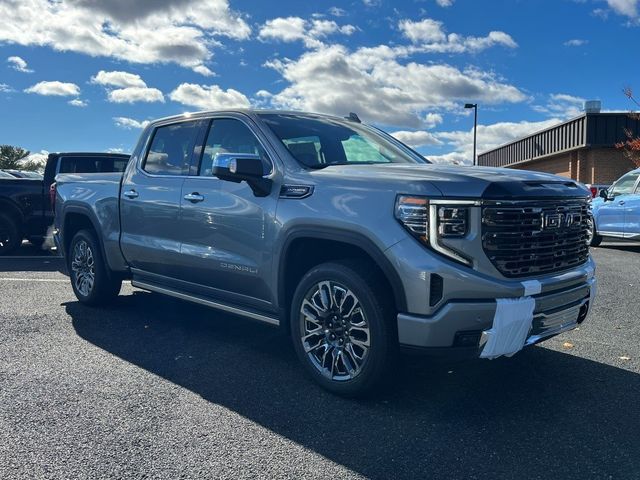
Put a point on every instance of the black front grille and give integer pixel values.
(532, 238)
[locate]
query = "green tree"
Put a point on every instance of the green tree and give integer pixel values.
(10, 157)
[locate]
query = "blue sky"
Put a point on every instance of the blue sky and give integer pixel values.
(87, 74)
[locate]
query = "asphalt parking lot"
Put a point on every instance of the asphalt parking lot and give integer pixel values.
(156, 388)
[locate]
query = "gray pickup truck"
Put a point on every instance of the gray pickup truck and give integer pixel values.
(338, 233)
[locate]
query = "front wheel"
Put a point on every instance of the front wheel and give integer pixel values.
(341, 328)
(91, 279)
(592, 235)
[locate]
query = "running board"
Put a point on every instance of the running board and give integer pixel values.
(207, 303)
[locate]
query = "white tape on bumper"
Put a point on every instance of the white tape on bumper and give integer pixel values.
(511, 325)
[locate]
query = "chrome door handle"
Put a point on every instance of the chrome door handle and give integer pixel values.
(194, 197)
(621, 202)
(131, 194)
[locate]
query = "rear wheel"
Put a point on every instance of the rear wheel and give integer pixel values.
(10, 237)
(341, 327)
(91, 279)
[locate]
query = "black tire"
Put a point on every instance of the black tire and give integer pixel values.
(105, 286)
(363, 282)
(596, 240)
(10, 237)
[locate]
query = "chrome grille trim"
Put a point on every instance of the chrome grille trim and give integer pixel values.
(523, 239)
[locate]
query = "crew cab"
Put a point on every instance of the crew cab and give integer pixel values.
(26, 209)
(336, 232)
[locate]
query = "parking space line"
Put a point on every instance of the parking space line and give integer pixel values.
(32, 257)
(16, 279)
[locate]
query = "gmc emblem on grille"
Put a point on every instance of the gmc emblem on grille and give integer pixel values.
(551, 221)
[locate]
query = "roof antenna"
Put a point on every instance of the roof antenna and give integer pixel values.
(353, 117)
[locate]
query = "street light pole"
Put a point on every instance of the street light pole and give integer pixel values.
(475, 126)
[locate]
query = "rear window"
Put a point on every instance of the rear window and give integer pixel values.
(92, 164)
(171, 149)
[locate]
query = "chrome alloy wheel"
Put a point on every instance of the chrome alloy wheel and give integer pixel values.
(334, 331)
(591, 229)
(83, 267)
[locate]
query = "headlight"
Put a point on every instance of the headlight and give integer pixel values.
(430, 222)
(413, 213)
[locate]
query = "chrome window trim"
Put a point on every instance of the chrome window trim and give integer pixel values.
(208, 118)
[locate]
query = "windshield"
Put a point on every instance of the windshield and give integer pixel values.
(319, 142)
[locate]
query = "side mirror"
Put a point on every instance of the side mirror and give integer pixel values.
(604, 193)
(238, 167)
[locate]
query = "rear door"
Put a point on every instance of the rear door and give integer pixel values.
(227, 230)
(150, 200)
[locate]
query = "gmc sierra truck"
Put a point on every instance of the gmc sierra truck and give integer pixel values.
(338, 233)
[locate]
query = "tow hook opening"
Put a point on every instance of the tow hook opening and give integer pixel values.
(584, 310)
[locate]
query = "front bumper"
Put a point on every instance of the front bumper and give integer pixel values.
(468, 305)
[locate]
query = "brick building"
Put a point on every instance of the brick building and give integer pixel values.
(582, 148)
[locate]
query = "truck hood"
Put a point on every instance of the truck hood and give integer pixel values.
(459, 181)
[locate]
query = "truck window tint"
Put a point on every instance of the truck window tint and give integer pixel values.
(227, 135)
(77, 164)
(625, 185)
(171, 149)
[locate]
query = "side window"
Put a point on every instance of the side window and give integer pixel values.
(171, 149)
(624, 185)
(227, 135)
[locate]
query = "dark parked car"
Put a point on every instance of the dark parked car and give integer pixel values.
(26, 209)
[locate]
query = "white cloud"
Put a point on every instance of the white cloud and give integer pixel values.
(444, 3)
(417, 139)
(204, 71)
(208, 97)
(55, 88)
(4, 88)
(337, 11)
(130, 123)
(163, 31)
(115, 150)
(292, 29)
(131, 87)
(18, 64)
(576, 42)
(561, 105)
(375, 84)
(135, 94)
(628, 8)
(429, 36)
(489, 137)
(117, 79)
(77, 102)
(39, 158)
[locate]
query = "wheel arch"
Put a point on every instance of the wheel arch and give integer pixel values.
(337, 244)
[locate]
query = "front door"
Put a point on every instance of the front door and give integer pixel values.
(611, 214)
(632, 215)
(226, 230)
(150, 199)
